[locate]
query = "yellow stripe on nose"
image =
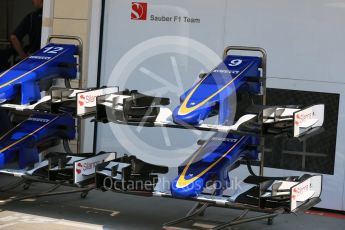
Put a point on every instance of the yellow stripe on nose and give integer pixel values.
(184, 110)
(27, 73)
(183, 182)
(26, 137)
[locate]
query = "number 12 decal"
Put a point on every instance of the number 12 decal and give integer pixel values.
(52, 50)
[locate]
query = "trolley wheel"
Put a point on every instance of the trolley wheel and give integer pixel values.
(270, 221)
(26, 186)
(83, 195)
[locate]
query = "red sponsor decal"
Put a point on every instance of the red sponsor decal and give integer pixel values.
(86, 166)
(139, 11)
(300, 190)
(79, 167)
(86, 99)
(300, 118)
(92, 165)
(81, 100)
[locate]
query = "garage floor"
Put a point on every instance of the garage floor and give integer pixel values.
(114, 211)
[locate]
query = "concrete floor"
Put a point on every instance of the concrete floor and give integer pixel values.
(116, 211)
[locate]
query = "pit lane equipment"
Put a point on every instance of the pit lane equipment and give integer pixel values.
(239, 137)
(52, 119)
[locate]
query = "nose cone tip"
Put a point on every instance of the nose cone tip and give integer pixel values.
(192, 118)
(190, 190)
(6, 93)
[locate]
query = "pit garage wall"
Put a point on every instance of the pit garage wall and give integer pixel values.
(303, 40)
(79, 18)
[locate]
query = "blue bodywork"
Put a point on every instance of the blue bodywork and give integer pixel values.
(23, 140)
(213, 160)
(215, 90)
(54, 60)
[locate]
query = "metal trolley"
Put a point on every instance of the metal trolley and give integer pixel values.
(205, 201)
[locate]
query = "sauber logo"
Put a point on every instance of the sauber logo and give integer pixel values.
(139, 11)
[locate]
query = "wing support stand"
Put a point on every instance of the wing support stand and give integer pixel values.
(270, 196)
(79, 104)
(80, 70)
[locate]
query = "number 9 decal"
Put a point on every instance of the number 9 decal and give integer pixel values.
(235, 62)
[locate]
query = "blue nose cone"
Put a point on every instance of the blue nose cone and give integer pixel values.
(190, 190)
(6, 93)
(192, 118)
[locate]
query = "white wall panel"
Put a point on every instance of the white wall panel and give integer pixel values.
(304, 42)
(304, 39)
(164, 63)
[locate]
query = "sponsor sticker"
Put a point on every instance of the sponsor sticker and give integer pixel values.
(301, 193)
(85, 169)
(42, 120)
(86, 101)
(303, 116)
(40, 57)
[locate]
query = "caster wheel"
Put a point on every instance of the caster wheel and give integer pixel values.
(26, 186)
(270, 221)
(83, 195)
